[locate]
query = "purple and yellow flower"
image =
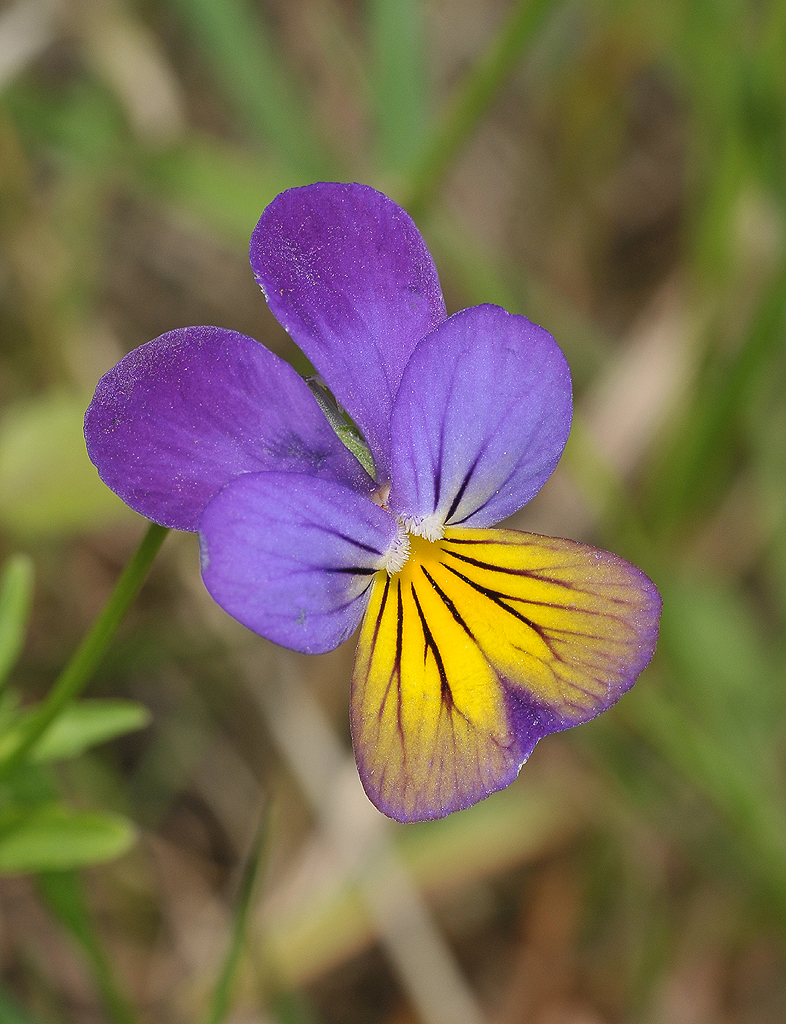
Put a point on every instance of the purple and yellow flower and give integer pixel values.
(475, 642)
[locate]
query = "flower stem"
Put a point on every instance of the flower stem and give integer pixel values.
(78, 672)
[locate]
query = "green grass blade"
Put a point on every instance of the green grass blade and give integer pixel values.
(472, 100)
(64, 895)
(16, 594)
(78, 672)
(220, 1003)
(237, 44)
(755, 817)
(701, 456)
(396, 28)
(11, 1013)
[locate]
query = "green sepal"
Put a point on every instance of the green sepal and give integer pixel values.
(347, 432)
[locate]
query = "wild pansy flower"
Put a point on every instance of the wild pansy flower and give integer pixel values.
(475, 642)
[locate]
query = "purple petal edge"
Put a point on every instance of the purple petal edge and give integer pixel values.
(293, 557)
(480, 420)
(348, 275)
(179, 417)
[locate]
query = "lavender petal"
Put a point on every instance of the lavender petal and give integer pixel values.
(179, 417)
(480, 420)
(346, 272)
(293, 557)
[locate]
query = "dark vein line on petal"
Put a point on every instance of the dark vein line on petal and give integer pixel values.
(499, 485)
(349, 569)
(477, 508)
(350, 602)
(537, 576)
(448, 603)
(478, 541)
(555, 581)
(500, 600)
(430, 644)
(528, 573)
(446, 692)
(355, 543)
(377, 626)
(460, 493)
(521, 600)
(438, 479)
(540, 631)
(594, 613)
(394, 672)
(397, 669)
(437, 476)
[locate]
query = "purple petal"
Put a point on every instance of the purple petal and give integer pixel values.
(346, 272)
(480, 420)
(179, 417)
(293, 557)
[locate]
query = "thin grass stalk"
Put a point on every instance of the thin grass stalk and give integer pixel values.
(79, 671)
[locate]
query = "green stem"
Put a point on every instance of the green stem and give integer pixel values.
(220, 1003)
(16, 593)
(78, 672)
(478, 90)
(65, 897)
(236, 41)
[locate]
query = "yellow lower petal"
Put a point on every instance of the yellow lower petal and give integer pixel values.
(484, 642)
(565, 621)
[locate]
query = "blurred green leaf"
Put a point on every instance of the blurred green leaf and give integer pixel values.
(53, 838)
(32, 785)
(293, 1008)
(16, 594)
(81, 120)
(9, 709)
(225, 186)
(725, 670)
(48, 485)
(221, 1002)
(10, 1013)
(81, 725)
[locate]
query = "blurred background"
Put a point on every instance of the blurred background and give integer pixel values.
(617, 172)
